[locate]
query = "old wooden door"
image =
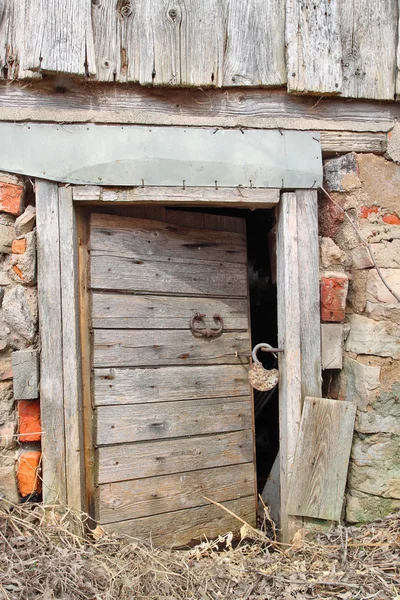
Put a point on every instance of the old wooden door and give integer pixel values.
(173, 410)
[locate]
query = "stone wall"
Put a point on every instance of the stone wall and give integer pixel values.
(19, 403)
(356, 302)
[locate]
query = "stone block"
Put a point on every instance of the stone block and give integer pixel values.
(20, 312)
(374, 465)
(359, 383)
(25, 365)
(332, 345)
(28, 472)
(364, 508)
(371, 422)
(376, 290)
(367, 336)
(360, 258)
(334, 286)
(330, 254)
(11, 196)
(6, 237)
(387, 254)
(23, 265)
(8, 482)
(379, 311)
(29, 420)
(341, 174)
(5, 368)
(7, 402)
(356, 294)
(7, 435)
(25, 222)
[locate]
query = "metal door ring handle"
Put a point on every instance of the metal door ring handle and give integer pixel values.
(206, 332)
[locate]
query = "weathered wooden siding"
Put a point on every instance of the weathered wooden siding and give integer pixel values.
(341, 47)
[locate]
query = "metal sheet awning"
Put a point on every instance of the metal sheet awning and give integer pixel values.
(131, 155)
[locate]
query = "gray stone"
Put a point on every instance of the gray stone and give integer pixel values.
(25, 365)
(19, 313)
(393, 146)
(359, 383)
(25, 222)
(6, 238)
(5, 367)
(332, 345)
(7, 402)
(364, 508)
(367, 336)
(331, 256)
(388, 402)
(341, 174)
(374, 466)
(360, 258)
(8, 483)
(357, 287)
(379, 311)
(7, 435)
(23, 266)
(371, 422)
(387, 254)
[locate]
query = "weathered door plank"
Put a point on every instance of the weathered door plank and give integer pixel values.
(181, 527)
(127, 311)
(149, 459)
(142, 422)
(322, 455)
(144, 497)
(166, 384)
(134, 348)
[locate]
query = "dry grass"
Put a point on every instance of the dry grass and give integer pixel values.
(43, 556)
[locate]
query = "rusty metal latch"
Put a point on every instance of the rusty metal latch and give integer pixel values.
(207, 332)
(264, 348)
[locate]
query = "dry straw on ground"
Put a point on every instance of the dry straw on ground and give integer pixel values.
(43, 556)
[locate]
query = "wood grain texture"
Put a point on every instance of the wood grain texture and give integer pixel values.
(290, 402)
(58, 37)
(145, 239)
(145, 497)
(313, 44)
(110, 272)
(168, 196)
(167, 384)
(51, 355)
(124, 311)
(183, 526)
(309, 294)
(141, 422)
(254, 53)
(72, 377)
(322, 456)
(69, 102)
(135, 348)
(161, 457)
(107, 46)
(369, 41)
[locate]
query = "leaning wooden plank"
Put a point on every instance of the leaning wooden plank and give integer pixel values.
(202, 40)
(369, 42)
(142, 422)
(310, 323)
(158, 347)
(322, 457)
(149, 239)
(161, 457)
(246, 197)
(166, 384)
(127, 311)
(51, 355)
(182, 527)
(72, 378)
(255, 49)
(313, 45)
(353, 141)
(53, 47)
(109, 272)
(138, 498)
(289, 340)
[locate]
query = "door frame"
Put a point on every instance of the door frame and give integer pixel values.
(65, 393)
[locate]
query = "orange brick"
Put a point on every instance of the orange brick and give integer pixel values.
(28, 473)
(29, 420)
(391, 219)
(333, 297)
(365, 211)
(18, 246)
(11, 198)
